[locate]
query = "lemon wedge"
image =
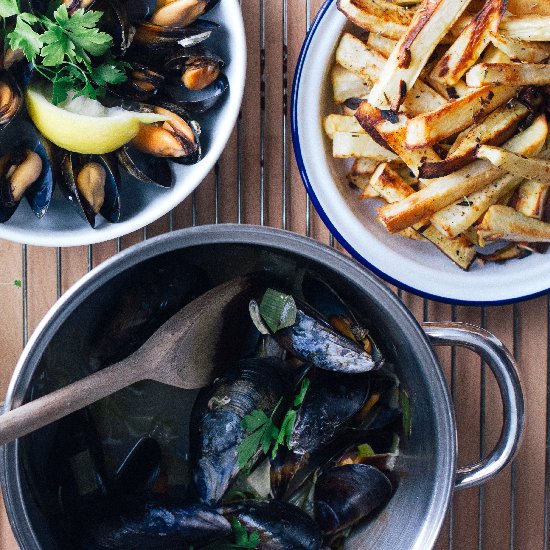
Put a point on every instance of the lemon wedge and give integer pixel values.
(83, 125)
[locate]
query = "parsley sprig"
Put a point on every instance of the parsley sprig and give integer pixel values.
(263, 432)
(242, 539)
(69, 51)
(16, 283)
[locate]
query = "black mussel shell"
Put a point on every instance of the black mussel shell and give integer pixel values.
(139, 470)
(313, 340)
(158, 40)
(142, 10)
(347, 494)
(252, 384)
(143, 82)
(155, 526)
(332, 399)
(178, 59)
(282, 526)
(146, 168)
(201, 101)
(39, 194)
(71, 163)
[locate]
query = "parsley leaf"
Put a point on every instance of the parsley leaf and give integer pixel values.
(242, 539)
(8, 8)
(262, 431)
(110, 72)
(24, 37)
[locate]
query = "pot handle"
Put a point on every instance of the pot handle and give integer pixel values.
(500, 361)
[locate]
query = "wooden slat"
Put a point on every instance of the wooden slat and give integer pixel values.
(254, 158)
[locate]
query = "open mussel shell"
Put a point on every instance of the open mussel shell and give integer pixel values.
(281, 525)
(152, 526)
(38, 193)
(71, 166)
(197, 102)
(185, 134)
(347, 494)
(143, 82)
(146, 168)
(157, 40)
(11, 99)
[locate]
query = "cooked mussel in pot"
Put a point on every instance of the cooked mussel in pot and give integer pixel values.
(275, 453)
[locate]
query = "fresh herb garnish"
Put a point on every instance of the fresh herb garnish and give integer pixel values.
(62, 48)
(365, 451)
(242, 539)
(278, 310)
(16, 283)
(263, 432)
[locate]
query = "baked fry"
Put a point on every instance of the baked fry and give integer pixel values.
(346, 85)
(520, 50)
(508, 74)
(472, 178)
(530, 168)
(531, 28)
(429, 128)
(431, 22)
(470, 44)
(504, 223)
(346, 145)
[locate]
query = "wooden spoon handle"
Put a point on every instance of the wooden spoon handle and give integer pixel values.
(60, 403)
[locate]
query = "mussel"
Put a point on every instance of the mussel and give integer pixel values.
(10, 99)
(90, 182)
(347, 494)
(309, 337)
(281, 526)
(154, 526)
(252, 384)
(25, 171)
(332, 399)
(176, 138)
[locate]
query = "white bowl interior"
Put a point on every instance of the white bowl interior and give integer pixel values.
(142, 204)
(414, 265)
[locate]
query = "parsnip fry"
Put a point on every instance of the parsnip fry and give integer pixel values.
(393, 132)
(389, 184)
(470, 44)
(346, 85)
(530, 7)
(510, 252)
(429, 128)
(505, 223)
(371, 22)
(383, 45)
(360, 174)
(432, 20)
(341, 123)
(508, 74)
(531, 199)
(357, 57)
(528, 168)
(498, 127)
(520, 50)
(458, 217)
(386, 11)
(346, 145)
(532, 28)
(354, 55)
(461, 251)
(444, 191)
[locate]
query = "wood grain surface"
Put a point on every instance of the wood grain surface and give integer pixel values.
(256, 181)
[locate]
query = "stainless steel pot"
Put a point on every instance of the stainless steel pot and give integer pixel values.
(428, 462)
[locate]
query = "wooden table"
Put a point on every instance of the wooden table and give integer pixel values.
(256, 181)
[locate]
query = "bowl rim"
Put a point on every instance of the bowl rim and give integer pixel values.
(224, 128)
(274, 239)
(297, 144)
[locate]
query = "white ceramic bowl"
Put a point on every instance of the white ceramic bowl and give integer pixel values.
(142, 204)
(412, 265)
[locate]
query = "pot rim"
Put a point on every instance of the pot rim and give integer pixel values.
(275, 239)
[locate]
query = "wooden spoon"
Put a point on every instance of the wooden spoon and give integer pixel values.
(180, 353)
